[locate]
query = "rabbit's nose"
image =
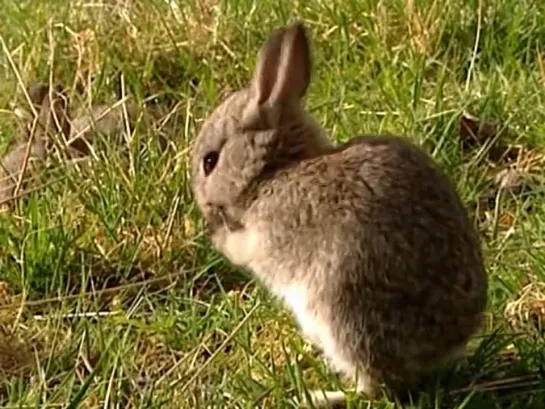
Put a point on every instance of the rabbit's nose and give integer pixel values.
(210, 209)
(207, 227)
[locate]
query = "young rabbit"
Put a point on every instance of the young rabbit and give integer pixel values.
(368, 243)
(101, 119)
(52, 118)
(79, 133)
(109, 121)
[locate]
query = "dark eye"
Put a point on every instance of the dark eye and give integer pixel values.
(209, 162)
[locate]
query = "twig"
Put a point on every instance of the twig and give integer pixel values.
(18, 75)
(476, 44)
(179, 362)
(500, 384)
(34, 189)
(89, 314)
(90, 293)
(98, 118)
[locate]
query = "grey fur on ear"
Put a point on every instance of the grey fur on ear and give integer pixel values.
(266, 71)
(282, 75)
(293, 74)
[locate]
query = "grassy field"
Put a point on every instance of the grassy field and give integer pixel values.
(111, 296)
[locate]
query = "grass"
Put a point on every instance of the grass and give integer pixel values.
(116, 299)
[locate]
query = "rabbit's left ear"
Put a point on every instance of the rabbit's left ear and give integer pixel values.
(282, 74)
(37, 93)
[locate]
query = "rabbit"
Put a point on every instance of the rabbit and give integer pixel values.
(109, 121)
(367, 243)
(52, 118)
(102, 119)
(78, 132)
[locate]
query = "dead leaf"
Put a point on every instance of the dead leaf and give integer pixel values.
(519, 174)
(504, 222)
(15, 355)
(513, 179)
(537, 312)
(527, 312)
(509, 355)
(476, 133)
(510, 179)
(7, 316)
(5, 297)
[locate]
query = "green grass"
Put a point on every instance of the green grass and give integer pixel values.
(183, 328)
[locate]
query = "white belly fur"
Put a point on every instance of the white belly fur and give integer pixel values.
(314, 327)
(240, 246)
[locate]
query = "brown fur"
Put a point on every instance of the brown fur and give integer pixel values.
(368, 242)
(54, 123)
(52, 111)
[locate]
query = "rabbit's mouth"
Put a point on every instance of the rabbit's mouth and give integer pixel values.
(217, 218)
(210, 227)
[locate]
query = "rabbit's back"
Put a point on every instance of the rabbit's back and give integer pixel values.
(379, 240)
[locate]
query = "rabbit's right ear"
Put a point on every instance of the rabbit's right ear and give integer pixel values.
(281, 77)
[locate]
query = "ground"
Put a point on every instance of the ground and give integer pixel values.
(110, 294)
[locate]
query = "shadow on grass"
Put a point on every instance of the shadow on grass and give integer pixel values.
(504, 372)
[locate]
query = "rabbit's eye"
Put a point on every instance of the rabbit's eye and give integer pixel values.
(209, 162)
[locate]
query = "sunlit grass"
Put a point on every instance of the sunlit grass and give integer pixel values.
(117, 298)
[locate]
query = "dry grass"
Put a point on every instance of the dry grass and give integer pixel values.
(117, 299)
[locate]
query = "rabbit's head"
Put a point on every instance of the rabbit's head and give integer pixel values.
(51, 106)
(257, 130)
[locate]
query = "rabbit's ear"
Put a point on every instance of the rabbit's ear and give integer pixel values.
(54, 111)
(51, 106)
(38, 92)
(282, 73)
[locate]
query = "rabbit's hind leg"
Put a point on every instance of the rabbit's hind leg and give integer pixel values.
(366, 386)
(337, 398)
